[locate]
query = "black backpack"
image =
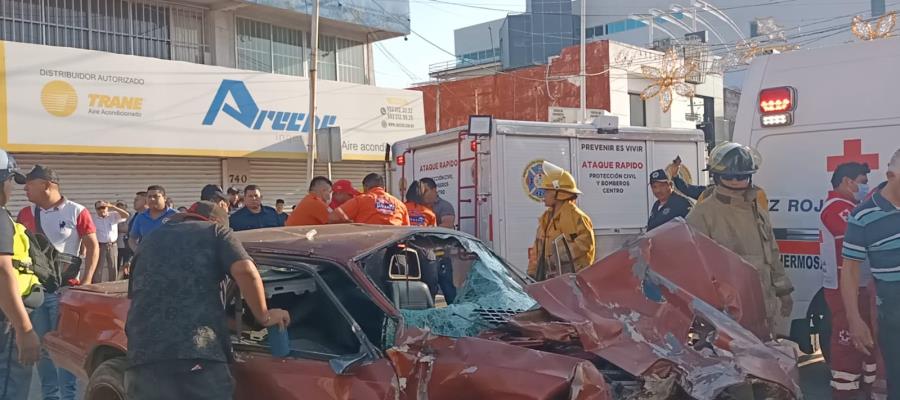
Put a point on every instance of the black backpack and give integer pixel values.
(53, 268)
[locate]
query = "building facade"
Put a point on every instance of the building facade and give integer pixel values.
(551, 92)
(120, 94)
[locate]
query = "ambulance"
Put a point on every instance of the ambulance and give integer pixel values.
(492, 178)
(807, 112)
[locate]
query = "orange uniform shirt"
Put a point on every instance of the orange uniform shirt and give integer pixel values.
(312, 210)
(376, 207)
(420, 215)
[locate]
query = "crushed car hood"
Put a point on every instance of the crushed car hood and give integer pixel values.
(640, 308)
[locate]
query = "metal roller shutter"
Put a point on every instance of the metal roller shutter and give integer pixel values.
(286, 179)
(86, 178)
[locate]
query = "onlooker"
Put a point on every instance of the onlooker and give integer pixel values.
(234, 199)
(69, 227)
(873, 234)
(213, 193)
(108, 235)
(179, 344)
(313, 209)
(140, 205)
(446, 218)
(279, 208)
(15, 326)
(376, 206)
(443, 210)
(419, 213)
(182, 209)
(669, 204)
(342, 192)
(153, 218)
(254, 215)
(170, 203)
(122, 241)
(852, 372)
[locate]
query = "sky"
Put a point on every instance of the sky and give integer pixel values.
(435, 20)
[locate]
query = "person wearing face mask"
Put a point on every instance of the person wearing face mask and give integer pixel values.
(733, 216)
(852, 372)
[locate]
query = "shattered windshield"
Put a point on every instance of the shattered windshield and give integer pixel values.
(487, 297)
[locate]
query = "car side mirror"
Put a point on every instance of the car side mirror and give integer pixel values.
(344, 365)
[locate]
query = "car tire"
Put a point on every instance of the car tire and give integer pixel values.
(108, 381)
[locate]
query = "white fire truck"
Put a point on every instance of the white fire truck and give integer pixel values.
(492, 179)
(807, 112)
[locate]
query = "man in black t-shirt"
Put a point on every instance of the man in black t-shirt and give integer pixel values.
(15, 358)
(178, 339)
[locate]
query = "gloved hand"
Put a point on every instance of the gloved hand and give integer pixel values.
(787, 305)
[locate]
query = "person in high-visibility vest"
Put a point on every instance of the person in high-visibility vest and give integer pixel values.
(565, 235)
(15, 360)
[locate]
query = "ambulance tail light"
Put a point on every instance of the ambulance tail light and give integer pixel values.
(776, 100)
(777, 105)
(401, 160)
(473, 145)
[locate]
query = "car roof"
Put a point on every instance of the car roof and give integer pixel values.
(341, 242)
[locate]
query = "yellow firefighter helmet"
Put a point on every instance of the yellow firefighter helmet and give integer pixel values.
(556, 178)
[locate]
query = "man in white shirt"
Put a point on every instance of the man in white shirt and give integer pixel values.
(108, 235)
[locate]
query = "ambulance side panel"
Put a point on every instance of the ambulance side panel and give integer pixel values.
(612, 173)
(845, 110)
(517, 201)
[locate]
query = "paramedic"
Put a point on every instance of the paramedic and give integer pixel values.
(732, 216)
(565, 235)
(852, 372)
(376, 206)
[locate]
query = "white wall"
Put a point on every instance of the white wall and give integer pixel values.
(625, 79)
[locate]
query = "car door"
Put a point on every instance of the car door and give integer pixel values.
(322, 341)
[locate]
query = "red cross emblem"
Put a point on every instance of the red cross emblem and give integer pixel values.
(853, 153)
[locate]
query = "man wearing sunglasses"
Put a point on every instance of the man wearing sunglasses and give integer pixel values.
(733, 216)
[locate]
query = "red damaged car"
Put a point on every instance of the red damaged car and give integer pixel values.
(663, 318)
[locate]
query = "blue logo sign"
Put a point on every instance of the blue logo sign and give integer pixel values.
(250, 115)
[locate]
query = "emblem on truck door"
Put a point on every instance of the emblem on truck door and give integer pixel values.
(532, 178)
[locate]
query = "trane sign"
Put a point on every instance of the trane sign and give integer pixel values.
(249, 114)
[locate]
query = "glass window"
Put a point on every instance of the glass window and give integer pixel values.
(287, 51)
(66, 23)
(116, 26)
(327, 58)
(151, 30)
(188, 36)
(21, 21)
(351, 60)
(111, 31)
(254, 45)
(589, 32)
(638, 110)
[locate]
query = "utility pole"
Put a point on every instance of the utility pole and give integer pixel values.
(583, 69)
(313, 67)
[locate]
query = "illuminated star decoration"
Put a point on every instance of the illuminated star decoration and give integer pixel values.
(669, 76)
(884, 25)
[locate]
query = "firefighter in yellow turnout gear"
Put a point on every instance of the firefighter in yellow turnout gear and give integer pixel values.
(734, 214)
(565, 236)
